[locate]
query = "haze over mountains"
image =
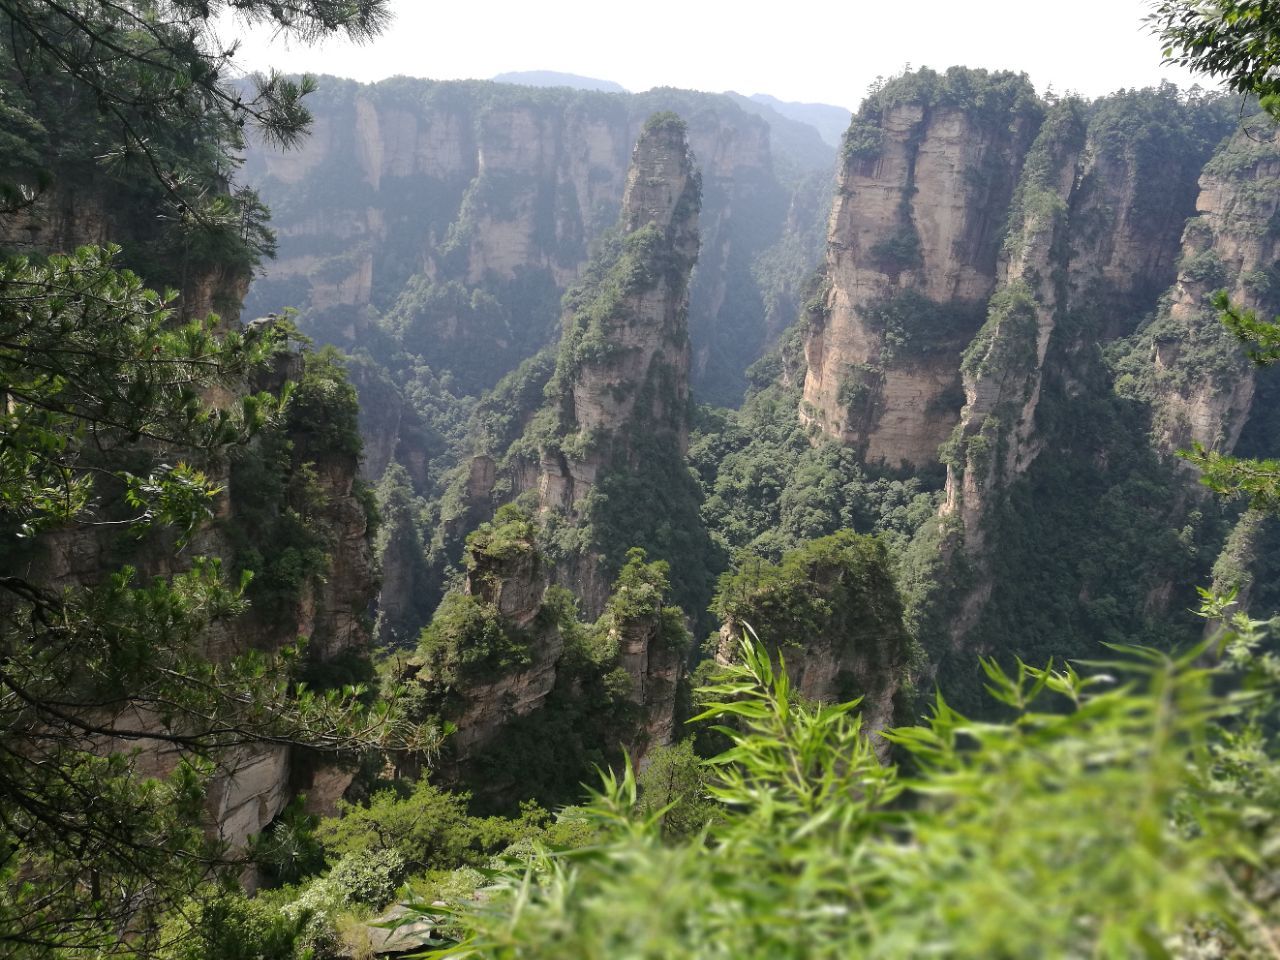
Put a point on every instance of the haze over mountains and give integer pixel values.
(553, 78)
(879, 506)
(828, 120)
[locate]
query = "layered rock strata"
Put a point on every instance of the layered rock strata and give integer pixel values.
(1093, 238)
(618, 401)
(409, 192)
(926, 179)
(1203, 385)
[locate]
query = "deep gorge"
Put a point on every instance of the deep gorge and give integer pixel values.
(625, 521)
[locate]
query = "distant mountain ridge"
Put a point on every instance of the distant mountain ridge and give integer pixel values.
(829, 120)
(554, 78)
(799, 141)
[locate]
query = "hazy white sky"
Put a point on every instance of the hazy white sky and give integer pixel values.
(814, 50)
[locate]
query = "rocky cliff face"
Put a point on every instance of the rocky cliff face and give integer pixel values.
(625, 366)
(1202, 386)
(255, 781)
(437, 225)
(332, 612)
(618, 400)
(91, 207)
(617, 404)
(410, 193)
(652, 648)
(1093, 237)
(832, 611)
(512, 582)
(1092, 228)
(929, 170)
(508, 656)
(1001, 369)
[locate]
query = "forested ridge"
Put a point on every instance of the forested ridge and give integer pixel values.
(470, 520)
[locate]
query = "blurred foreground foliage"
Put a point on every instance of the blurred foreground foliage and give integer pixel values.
(1124, 808)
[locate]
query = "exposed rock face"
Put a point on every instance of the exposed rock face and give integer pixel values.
(491, 705)
(251, 791)
(511, 646)
(640, 374)
(652, 647)
(1093, 238)
(618, 398)
(912, 253)
(1002, 368)
(335, 614)
(500, 190)
(831, 667)
(97, 212)
(438, 224)
(1232, 245)
(1090, 230)
(515, 585)
(255, 781)
(655, 667)
(621, 380)
(390, 430)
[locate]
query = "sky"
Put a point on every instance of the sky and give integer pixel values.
(826, 51)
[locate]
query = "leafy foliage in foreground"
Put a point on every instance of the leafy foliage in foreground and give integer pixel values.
(1233, 41)
(133, 102)
(88, 354)
(1110, 817)
(114, 409)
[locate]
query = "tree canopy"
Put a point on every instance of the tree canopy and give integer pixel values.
(1234, 41)
(118, 417)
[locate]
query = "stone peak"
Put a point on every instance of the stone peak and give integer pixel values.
(662, 185)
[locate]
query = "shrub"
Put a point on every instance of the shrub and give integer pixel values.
(369, 877)
(428, 829)
(227, 925)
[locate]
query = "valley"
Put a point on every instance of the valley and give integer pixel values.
(525, 518)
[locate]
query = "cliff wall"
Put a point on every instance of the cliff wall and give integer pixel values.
(929, 169)
(454, 215)
(1094, 237)
(509, 662)
(1202, 386)
(615, 420)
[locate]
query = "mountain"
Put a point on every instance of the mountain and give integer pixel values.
(606, 446)
(553, 78)
(830, 121)
(996, 270)
(795, 140)
(1018, 293)
(445, 221)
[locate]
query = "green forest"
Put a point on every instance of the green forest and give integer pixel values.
(461, 519)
